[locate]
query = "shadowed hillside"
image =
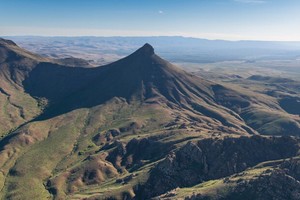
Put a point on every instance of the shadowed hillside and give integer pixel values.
(143, 76)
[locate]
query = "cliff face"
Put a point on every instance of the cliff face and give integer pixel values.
(277, 181)
(215, 158)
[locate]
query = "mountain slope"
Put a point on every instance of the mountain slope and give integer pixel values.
(17, 107)
(102, 132)
(142, 76)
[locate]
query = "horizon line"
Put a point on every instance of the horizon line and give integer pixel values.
(153, 36)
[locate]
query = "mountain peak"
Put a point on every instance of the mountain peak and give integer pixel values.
(7, 42)
(147, 50)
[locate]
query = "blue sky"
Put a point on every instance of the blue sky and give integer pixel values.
(212, 19)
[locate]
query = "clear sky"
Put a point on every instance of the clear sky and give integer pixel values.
(212, 19)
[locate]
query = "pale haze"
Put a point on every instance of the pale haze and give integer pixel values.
(212, 19)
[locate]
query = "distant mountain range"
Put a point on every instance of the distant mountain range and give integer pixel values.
(103, 50)
(140, 128)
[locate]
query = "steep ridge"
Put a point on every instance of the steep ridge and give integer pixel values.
(15, 65)
(16, 62)
(142, 76)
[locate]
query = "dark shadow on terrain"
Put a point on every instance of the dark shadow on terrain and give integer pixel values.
(142, 75)
(291, 105)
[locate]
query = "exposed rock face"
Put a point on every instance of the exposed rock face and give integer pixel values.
(136, 152)
(281, 182)
(292, 168)
(211, 159)
(266, 186)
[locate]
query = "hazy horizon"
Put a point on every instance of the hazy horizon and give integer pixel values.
(144, 36)
(233, 20)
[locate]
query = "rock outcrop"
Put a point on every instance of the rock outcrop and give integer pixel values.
(215, 158)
